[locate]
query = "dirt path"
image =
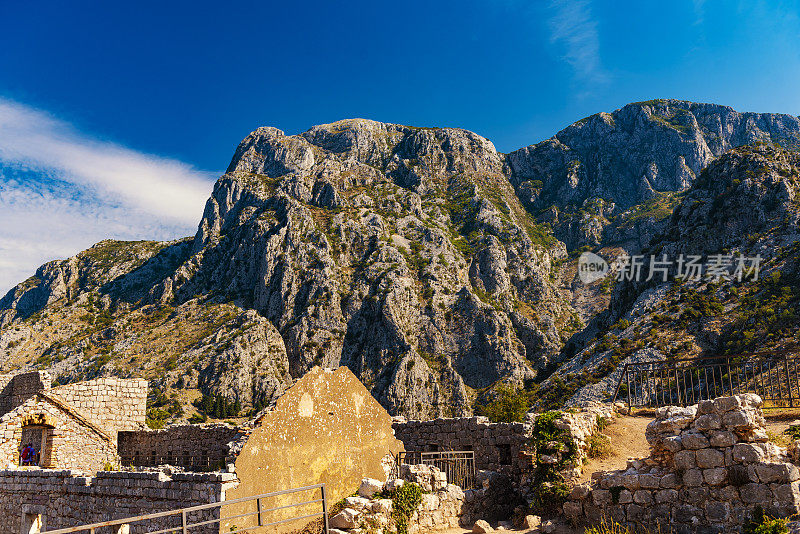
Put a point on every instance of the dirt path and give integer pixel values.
(627, 441)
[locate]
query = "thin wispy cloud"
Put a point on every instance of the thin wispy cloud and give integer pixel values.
(574, 30)
(62, 190)
(699, 7)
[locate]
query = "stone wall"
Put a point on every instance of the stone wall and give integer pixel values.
(16, 389)
(197, 447)
(499, 447)
(710, 465)
(496, 446)
(64, 438)
(113, 403)
(65, 500)
(440, 509)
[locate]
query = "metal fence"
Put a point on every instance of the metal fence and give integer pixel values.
(459, 466)
(185, 524)
(684, 382)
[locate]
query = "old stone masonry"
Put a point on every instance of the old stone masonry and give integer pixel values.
(710, 465)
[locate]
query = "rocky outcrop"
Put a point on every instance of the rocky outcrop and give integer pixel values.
(625, 157)
(402, 253)
(741, 207)
(396, 251)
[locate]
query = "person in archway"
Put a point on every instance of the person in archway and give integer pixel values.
(28, 456)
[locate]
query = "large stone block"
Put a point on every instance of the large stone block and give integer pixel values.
(631, 482)
(643, 497)
(601, 497)
(786, 493)
(625, 497)
(747, 453)
(672, 443)
(722, 438)
(369, 487)
(580, 492)
(666, 496)
(708, 422)
(709, 458)
(648, 481)
(346, 519)
(686, 513)
(670, 480)
(716, 476)
(573, 510)
(693, 477)
(636, 513)
(694, 440)
(685, 460)
(776, 472)
(718, 512)
(694, 495)
(754, 493)
(726, 404)
(357, 503)
(729, 493)
(705, 407)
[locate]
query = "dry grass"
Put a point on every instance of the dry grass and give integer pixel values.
(599, 446)
(608, 526)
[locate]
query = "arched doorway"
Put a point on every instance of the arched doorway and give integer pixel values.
(36, 441)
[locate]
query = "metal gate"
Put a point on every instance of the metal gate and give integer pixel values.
(684, 382)
(459, 466)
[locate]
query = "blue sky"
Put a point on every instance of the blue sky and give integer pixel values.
(116, 117)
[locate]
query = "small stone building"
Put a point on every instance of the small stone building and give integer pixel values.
(74, 426)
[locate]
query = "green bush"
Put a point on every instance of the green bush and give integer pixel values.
(550, 486)
(509, 406)
(218, 407)
(405, 500)
(763, 524)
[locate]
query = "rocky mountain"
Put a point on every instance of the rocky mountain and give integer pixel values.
(425, 261)
(591, 172)
(400, 252)
(745, 204)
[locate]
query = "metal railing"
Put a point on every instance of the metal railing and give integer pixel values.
(684, 382)
(459, 466)
(186, 519)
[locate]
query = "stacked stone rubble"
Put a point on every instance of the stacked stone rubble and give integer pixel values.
(371, 510)
(710, 465)
(580, 425)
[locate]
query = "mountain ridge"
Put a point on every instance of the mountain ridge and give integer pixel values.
(408, 254)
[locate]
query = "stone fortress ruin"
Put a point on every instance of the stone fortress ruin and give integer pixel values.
(96, 460)
(709, 466)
